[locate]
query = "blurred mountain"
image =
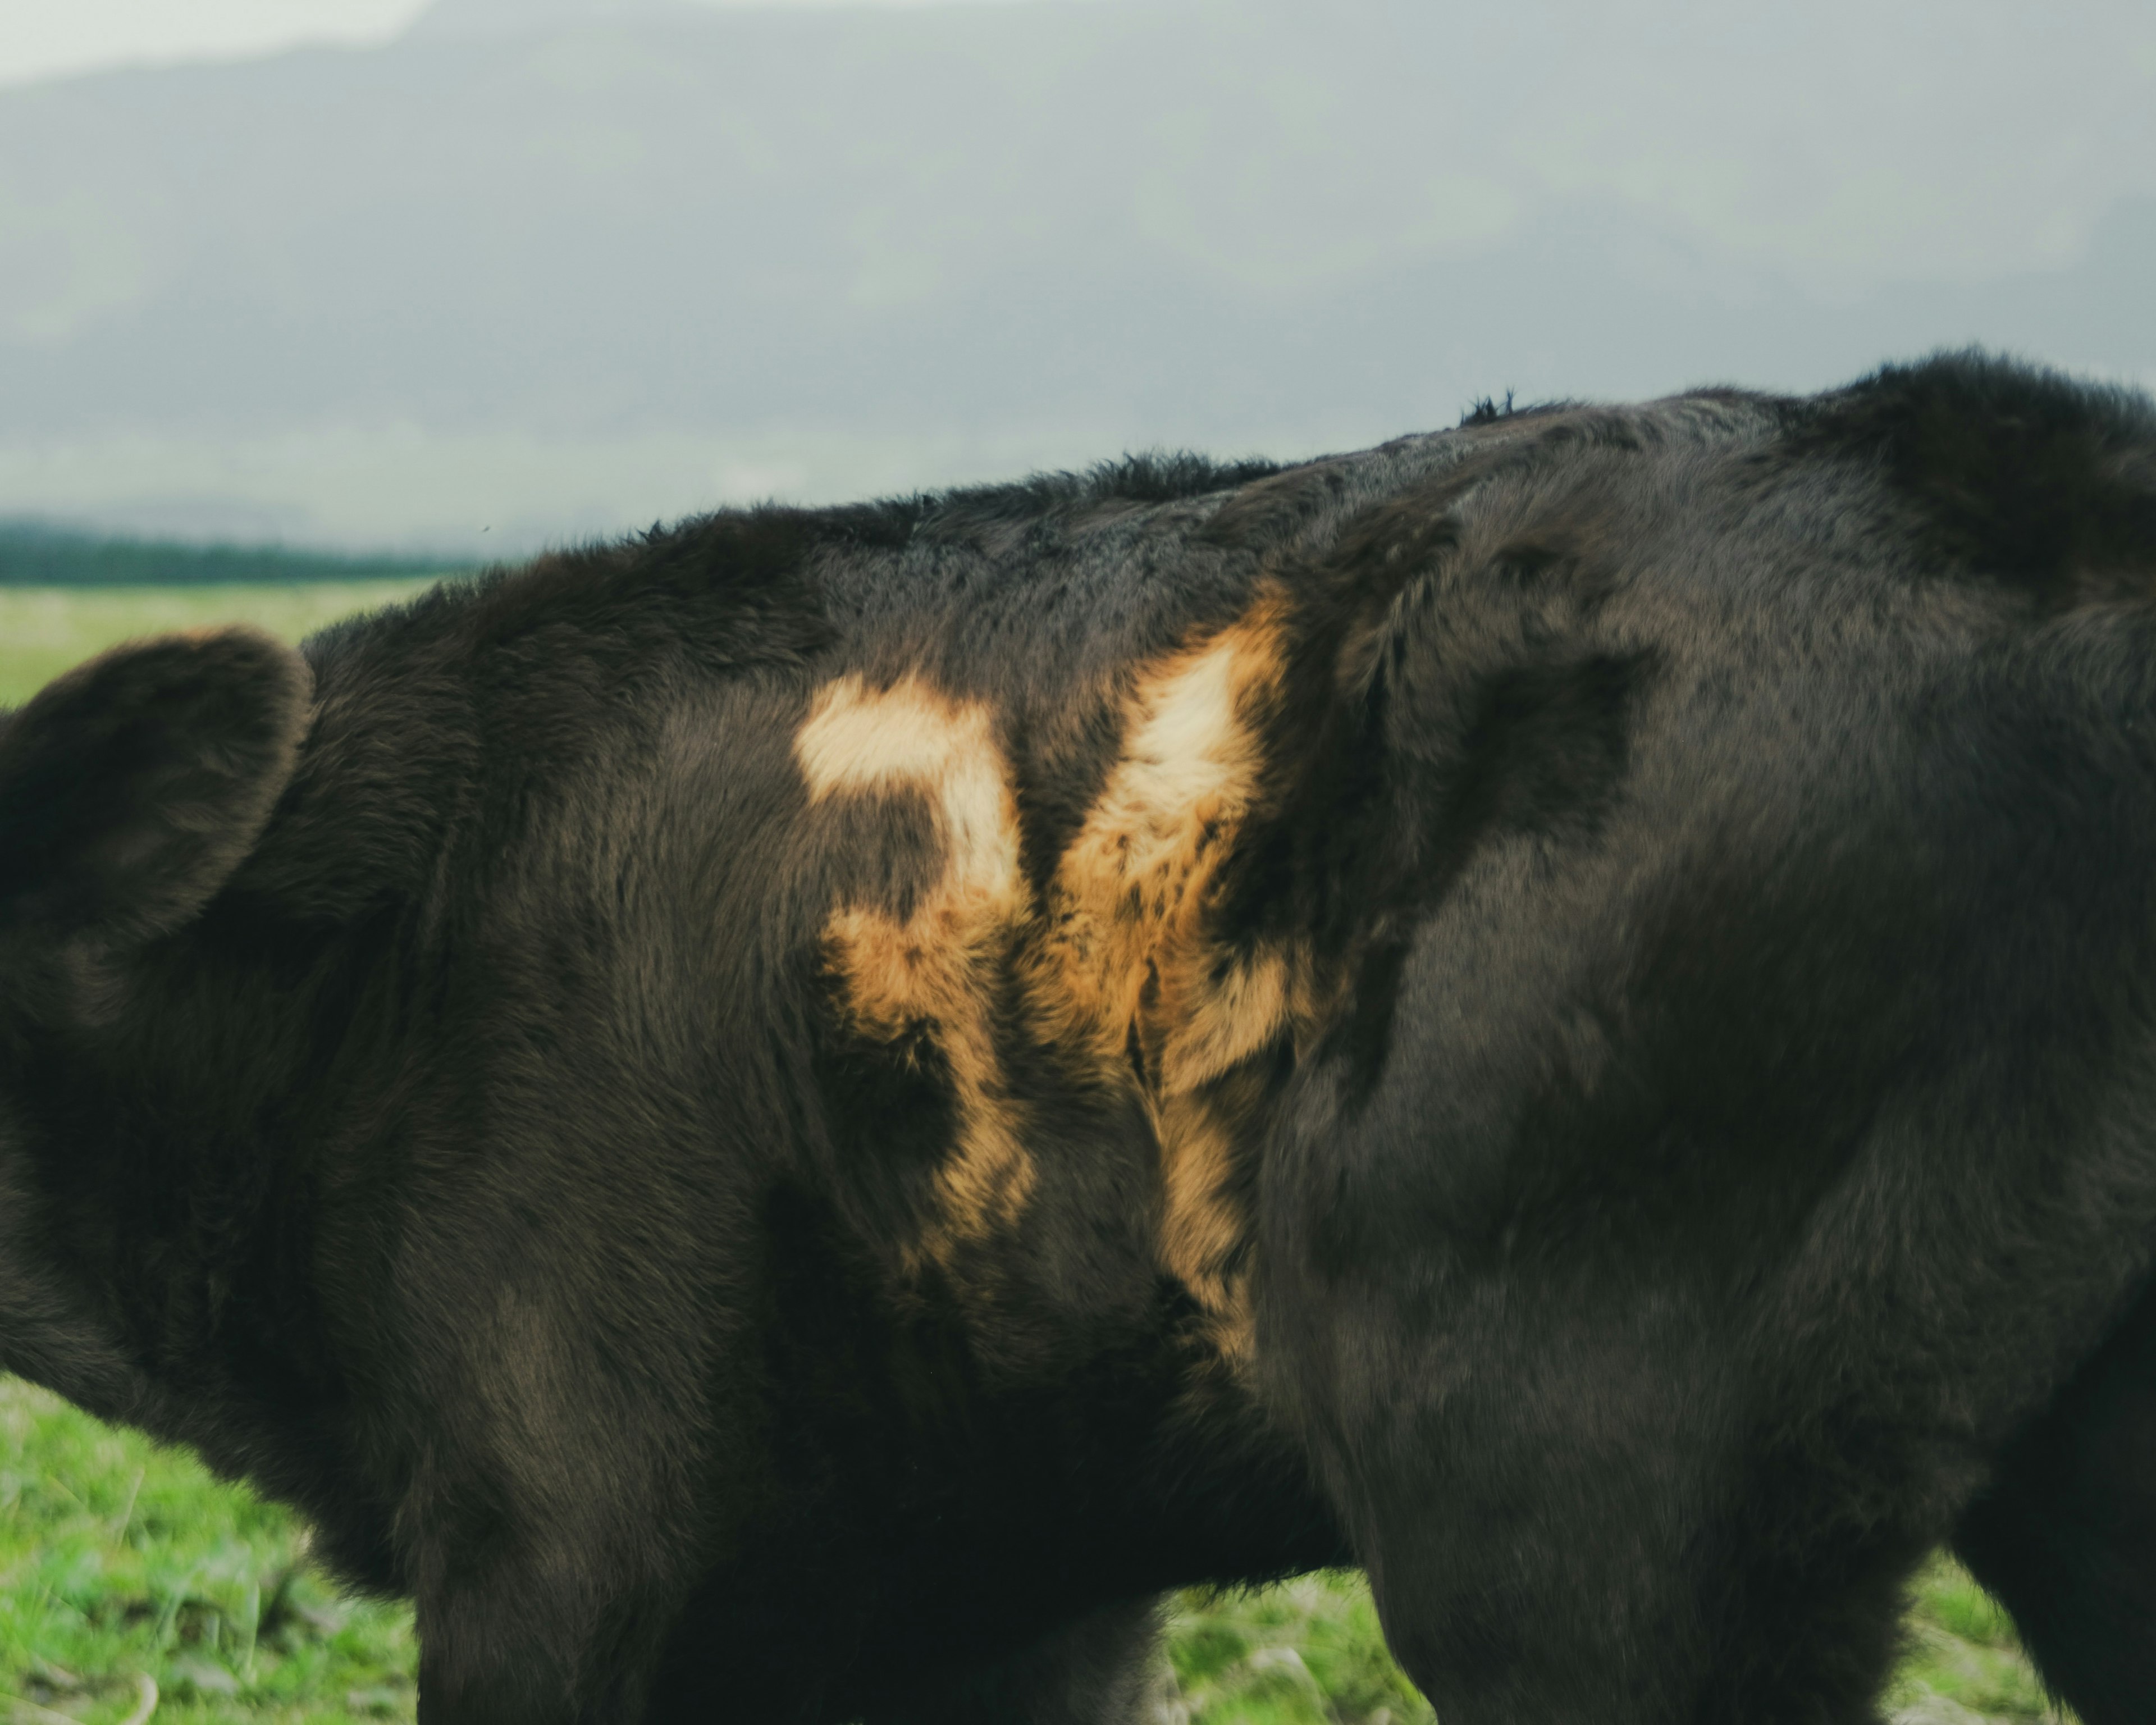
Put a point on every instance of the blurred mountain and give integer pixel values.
(550, 266)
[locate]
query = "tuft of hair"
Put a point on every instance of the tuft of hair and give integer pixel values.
(1155, 477)
(1488, 411)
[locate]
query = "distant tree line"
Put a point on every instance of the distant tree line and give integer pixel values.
(33, 554)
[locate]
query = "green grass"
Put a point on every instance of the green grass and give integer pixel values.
(118, 1558)
(1309, 1652)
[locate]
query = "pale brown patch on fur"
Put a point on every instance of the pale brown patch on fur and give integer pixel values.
(1123, 968)
(1130, 891)
(1200, 1230)
(939, 966)
(1126, 959)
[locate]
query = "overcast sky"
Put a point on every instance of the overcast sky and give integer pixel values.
(532, 268)
(54, 38)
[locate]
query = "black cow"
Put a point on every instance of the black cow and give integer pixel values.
(792, 1119)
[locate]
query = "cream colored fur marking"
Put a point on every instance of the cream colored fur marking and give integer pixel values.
(1129, 891)
(1125, 953)
(1120, 954)
(940, 966)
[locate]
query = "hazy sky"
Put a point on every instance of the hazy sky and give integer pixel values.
(533, 269)
(52, 38)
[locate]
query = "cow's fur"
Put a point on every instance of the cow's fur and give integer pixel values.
(792, 1119)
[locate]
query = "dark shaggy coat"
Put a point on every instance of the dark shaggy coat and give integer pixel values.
(791, 1119)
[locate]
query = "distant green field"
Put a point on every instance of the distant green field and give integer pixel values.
(120, 1561)
(45, 629)
(36, 554)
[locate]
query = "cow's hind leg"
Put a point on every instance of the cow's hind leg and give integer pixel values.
(1562, 1612)
(1099, 1670)
(1577, 1517)
(2066, 1535)
(512, 1644)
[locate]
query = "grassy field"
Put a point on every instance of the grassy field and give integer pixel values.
(121, 1563)
(45, 629)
